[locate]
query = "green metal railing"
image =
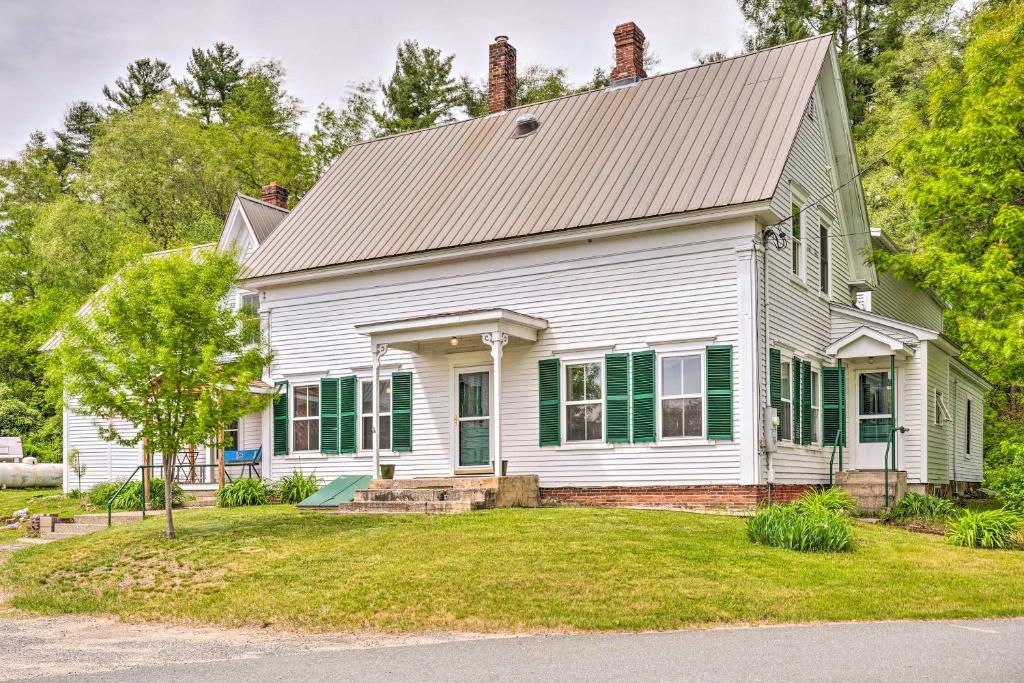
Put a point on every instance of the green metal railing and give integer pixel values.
(110, 504)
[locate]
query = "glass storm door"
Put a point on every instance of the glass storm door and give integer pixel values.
(474, 419)
(874, 419)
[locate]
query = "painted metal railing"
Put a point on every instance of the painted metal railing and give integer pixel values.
(837, 446)
(110, 503)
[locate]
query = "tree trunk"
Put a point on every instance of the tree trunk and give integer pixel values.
(168, 488)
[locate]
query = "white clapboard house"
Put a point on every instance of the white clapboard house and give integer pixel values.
(659, 291)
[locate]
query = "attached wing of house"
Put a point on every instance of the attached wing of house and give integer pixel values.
(657, 292)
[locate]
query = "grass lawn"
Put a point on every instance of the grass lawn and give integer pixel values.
(500, 570)
(38, 501)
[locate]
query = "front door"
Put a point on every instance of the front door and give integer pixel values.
(473, 420)
(874, 418)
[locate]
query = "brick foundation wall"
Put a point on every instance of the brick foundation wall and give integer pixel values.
(706, 497)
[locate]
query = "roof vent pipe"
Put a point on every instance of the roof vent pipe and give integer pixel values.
(526, 124)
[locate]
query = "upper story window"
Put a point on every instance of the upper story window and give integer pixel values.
(383, 414)
(584, 419)
(249, 305)
(798, 238)
(786, 412)
(824, 246)
(682, 396)
(306, 418)
(231, 436)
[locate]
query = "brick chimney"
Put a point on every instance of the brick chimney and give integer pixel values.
(629, 54)
(274, 194)
(501, 75)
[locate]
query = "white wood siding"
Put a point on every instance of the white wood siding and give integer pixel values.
(799, 315)
(964, 466)
(104, 461)
(895, 298)
(611, 294)
(939, 435)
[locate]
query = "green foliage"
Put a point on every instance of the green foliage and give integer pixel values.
(809, 529)
(921, 506)
(1008, 482)
(213, 76)
(421, 92)
(145, 78)
(296, 487)
(131, 497)
(243, 492)
(74, 140)
(17, 418)
(829, 500)
(985, 529)
(336, 130)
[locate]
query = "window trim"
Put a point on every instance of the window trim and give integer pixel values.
(360, 379)
(825, 255)
(565, 402)
(967, 431)
(242, 295)
(660, 396)
(817, 426)
(786, 382)
(292, 418)
(941, 411)
(798, 247)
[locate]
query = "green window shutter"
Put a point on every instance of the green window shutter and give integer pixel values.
(549, 389)
(281, 419)
(833, 384)
(347, 396)
(718, 387)
(616, 400)
(794, 398)
(401, 412)
(643, 397)
(775, 385)
(329, 415)
(805, 402)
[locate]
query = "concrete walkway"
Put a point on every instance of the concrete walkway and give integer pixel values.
(101, 650)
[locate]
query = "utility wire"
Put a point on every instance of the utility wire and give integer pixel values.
(899, 142)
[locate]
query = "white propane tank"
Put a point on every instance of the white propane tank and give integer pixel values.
(19, 475)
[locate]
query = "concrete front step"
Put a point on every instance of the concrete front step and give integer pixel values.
(404, 507)
(71, 529)
(869, 487)
(426, 494)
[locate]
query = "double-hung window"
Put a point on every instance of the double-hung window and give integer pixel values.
(306, 418)
(786, 411)
(231, 436)
(682, 396)
(798, 239)
(584, 408)
(383, 414)
(249, 306)
(815, 407)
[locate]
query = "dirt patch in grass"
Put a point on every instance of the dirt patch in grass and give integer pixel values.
(552, 569)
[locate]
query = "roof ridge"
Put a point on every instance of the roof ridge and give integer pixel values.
(445, 124)
(261, 202)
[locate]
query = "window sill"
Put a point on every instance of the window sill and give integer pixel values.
(307, 455)
(368, 455)
(686, 443)
(797, 280)
(589, 446)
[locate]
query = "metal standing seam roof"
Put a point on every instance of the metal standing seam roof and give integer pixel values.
(704, 137)
(262, 217)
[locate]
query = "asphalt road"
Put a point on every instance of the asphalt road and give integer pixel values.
(990, 650)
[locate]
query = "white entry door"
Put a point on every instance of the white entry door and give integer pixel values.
(471, 421)
(874, 419)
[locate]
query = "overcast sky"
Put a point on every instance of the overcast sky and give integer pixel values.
(53, 52)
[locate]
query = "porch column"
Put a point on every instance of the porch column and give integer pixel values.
(378, 351)
(497, 341)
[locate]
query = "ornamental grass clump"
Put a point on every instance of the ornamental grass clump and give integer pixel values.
(831, 500)
(986, 529)
(243, 492)
(921, 506)
(296, 487)
(807, 528)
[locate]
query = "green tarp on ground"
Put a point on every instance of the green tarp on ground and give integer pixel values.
(341, 490)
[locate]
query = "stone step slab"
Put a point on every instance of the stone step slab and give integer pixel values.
(426, 494)
(403, 507)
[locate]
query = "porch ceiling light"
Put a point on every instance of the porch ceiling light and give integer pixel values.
(454, 341)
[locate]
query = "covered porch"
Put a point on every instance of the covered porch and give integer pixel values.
(474, 343)
(874, 370)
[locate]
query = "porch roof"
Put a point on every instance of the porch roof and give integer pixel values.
(409, 333)
(865, 342)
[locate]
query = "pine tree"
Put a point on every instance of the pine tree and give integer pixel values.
(75, 137)
(421, 92)
(146, 77)
(214, 74)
